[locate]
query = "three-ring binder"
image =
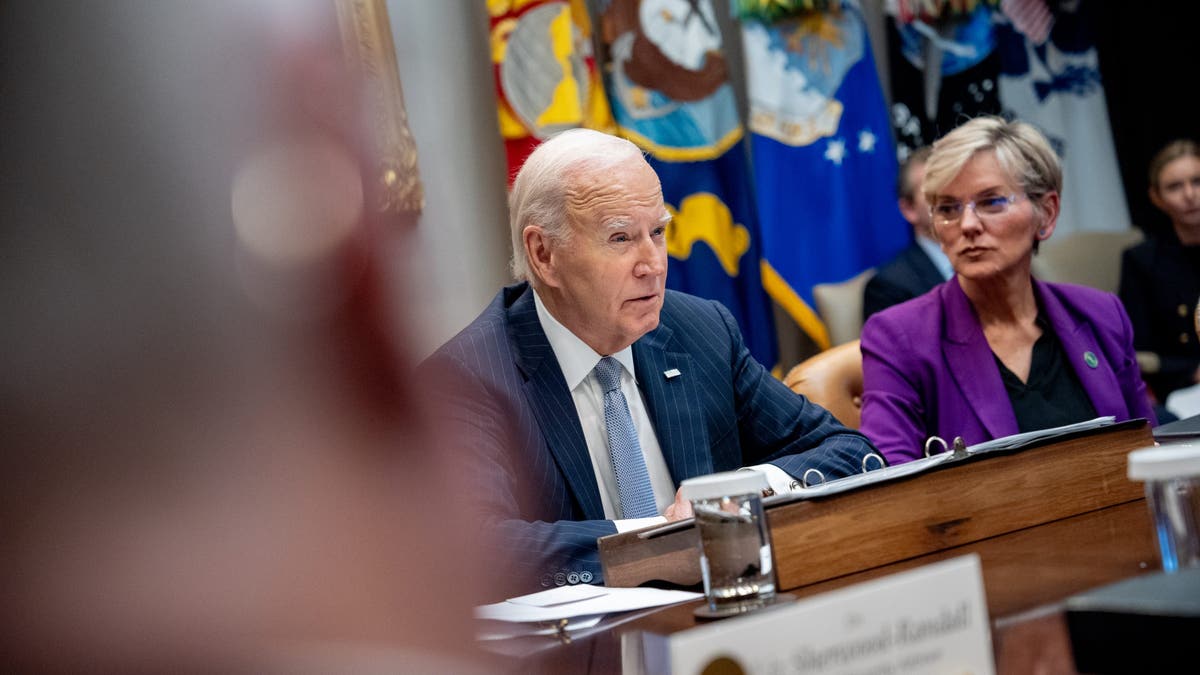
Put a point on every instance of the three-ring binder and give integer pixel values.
(804, 482)
(959, 446)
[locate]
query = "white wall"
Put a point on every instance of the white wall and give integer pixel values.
(461, 249)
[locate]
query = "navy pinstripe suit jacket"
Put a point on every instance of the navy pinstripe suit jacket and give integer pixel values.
(531, 478)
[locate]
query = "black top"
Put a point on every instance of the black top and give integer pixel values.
(1160, 282)
(1052, 397)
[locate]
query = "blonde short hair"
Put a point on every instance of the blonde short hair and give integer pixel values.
(1022, 151)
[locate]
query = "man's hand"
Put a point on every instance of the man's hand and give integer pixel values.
(679, 509)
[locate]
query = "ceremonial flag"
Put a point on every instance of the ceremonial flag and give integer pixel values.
(667, 80)
(944, 71)
(545, 73)
(1051, 79)
(824, 160)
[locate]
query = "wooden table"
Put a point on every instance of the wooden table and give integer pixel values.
(1047, 522)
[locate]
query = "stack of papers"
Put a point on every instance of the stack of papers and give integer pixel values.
(581, 607)
(1019, 440)
(925, 463)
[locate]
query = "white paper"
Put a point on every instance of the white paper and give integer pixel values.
(925, 463)
(1017, 440)
(504, 630)
(874, 476)
(559, 596)
(1184, 403)
(612, 600)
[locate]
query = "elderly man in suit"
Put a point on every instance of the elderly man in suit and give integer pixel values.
(583, 395)
(922, 265)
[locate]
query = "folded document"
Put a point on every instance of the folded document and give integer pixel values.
(567, 602)
(580, 607)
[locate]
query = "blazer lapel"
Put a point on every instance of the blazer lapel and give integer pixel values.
(673, 403)
(973, 365)
(553, 408)
(1078, 340)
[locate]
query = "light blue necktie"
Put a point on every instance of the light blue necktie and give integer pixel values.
(633, 480)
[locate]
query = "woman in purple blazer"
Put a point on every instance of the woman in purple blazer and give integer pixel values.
(992, 352)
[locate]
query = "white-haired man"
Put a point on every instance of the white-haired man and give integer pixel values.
(584, 394)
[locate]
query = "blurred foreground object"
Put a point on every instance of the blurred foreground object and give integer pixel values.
(211, 449)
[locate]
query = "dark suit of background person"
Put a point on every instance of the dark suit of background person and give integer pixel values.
(711, 405)
(1160, 283)
(908, 275)
(1160, 277)
(914, 271)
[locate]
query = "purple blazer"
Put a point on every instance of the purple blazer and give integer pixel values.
(928, 370)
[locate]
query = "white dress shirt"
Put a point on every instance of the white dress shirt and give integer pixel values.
(577, 361)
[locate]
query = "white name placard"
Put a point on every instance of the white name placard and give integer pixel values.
(932, 619)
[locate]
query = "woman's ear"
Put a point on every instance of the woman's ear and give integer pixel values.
(1048, 206)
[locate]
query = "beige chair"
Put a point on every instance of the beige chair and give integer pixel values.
(1090, 259)
(1085, 258)
(833, 380)
(840, 307)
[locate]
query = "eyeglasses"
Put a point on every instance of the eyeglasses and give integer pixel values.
(951, 213)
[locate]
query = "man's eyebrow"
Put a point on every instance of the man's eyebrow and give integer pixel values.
(617, 223)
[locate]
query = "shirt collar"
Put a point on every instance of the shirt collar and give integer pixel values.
(939, 259)
(575, 358)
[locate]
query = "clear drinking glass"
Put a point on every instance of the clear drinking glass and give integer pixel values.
(735, 544)
(1172, 477)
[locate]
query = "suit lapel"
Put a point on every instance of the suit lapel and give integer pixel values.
(673, 404)
(553, 408)
(927, 273)
(973, 365)
(1078, 339)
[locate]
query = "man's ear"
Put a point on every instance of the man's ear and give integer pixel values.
(909, 209)
(539, 252)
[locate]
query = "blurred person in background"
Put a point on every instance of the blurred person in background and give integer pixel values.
(212, 458)
(922, 265)
(994, 352)
(1160, 277)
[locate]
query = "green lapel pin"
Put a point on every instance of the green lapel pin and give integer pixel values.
(1090, 359)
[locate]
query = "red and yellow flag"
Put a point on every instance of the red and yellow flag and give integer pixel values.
(545, 70)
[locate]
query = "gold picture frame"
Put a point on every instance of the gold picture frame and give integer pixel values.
(395, 185)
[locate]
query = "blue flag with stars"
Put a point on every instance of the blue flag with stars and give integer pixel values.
(824, 159)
